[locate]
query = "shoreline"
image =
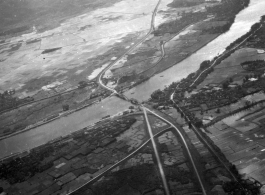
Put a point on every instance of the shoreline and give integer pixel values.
(35, 101)
(153, 74)
(61, 138)
(85, 106)
(176, 63)
(51, 120)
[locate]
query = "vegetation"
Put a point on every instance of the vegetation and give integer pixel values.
(14, 31)
(19, 16)
(16, 170)
(253, 65)
(178, 24)
(50, 50)
(65, 107)
(205, 64)
(142, 178)
(219, 29)
(7, 101)
(238, 186)
(228, 9)
(185, 3)
(239, 40)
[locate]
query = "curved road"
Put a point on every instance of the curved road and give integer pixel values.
(159, 163)
(146, 109)
(186, 147)
(152, 28)
(80, 189)
(211, 149)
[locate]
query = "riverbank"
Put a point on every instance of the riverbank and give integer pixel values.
(229, 103)
(85, 106)
(208, 52)
(153, 73)
(62, 126)
(145, 74)
(48, 120)
(190, 33)
(79, 120)
(220, 88)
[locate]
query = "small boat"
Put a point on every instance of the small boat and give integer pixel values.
(162, 76)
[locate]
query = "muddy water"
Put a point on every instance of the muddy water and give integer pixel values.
(110, 106)
(61, 127)
(244, 20)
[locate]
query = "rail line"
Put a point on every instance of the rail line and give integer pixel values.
(202, 139)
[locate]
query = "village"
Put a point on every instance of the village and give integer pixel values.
(218, 110)
(226, 103)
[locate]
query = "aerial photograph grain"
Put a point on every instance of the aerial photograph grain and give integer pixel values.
(132, 97)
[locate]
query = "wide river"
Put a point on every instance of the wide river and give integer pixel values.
(78, 120)
(244, 20)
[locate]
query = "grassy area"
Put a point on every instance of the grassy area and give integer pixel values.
(185, 3)
(20, 16)
(45, 110)
(80, 155)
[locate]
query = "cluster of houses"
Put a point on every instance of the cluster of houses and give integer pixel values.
(66, 163)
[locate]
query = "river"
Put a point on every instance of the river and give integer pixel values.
(61, 127)
(244, 20)
(78, 120)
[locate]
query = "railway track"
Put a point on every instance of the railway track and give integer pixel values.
(202, 139)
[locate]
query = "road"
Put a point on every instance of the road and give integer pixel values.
(197, 132)
(163, 43)
(214, 62)
(185, 146)
(160, 166)
(205, 142)
(152, 28)
(146, 109)
(81, 188)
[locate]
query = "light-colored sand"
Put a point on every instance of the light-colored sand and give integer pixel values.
(101, 29)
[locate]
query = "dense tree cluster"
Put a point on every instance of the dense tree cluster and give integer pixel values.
(185, 3)
(228, 9)
(219, 29)
(253, 65)
(178, 24)
(205, 64)
(19, 169)
(7, 101)
(42, 158)
(254, 28)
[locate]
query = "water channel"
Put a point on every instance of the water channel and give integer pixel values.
(244, 20)
(78, 120)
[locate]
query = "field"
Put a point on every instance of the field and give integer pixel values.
(244, 148)
(235, 70)
(45, 110)
(76, 47)
(186, 34)
(239, 132)
(49, 60)
(20, 16)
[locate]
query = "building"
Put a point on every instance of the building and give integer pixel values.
(260, 51)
